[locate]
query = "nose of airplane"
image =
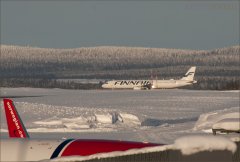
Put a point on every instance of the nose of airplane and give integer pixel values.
(104, 86)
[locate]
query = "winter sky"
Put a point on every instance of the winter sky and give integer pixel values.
(156, 23)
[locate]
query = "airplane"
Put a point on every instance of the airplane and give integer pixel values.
(188, 79)
(20, 147)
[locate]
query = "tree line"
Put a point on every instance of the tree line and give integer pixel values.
(33, 65)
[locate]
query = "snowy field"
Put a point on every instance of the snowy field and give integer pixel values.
(159, 116)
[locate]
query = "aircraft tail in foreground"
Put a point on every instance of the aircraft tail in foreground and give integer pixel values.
(16, 127)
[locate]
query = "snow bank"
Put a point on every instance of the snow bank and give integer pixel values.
(207, 120)
(105, 118)
(77, 126)
(232, 124)
(77, 119)
(193, 144)
(88, 121)
(69, 130)
(53, 122)
(129, 119)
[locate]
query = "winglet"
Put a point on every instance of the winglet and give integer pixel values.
(16, 128)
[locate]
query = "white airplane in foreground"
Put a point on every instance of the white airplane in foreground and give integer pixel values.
(19, 147)
(188, 79)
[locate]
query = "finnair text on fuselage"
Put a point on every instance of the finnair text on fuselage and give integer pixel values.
(132, 82)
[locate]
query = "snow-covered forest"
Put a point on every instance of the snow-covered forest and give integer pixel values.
(216, 69)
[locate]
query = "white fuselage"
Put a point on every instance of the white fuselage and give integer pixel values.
(35, 150)
(187, 79)
(27, 150)
(155, 84)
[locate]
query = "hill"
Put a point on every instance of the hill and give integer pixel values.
(216, 69)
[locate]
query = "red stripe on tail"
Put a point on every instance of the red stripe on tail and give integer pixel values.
(16, 128)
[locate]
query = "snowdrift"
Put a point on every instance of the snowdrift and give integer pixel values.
(227, 119)
(104, 121)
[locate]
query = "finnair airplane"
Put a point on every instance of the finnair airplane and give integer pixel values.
(188, 79)
(19, 147)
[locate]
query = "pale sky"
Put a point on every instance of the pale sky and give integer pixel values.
(164, 24)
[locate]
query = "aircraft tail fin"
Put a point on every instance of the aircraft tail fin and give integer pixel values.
(16, 128)
(190, 74)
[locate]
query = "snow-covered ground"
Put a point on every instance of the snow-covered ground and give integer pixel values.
(155, 116)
